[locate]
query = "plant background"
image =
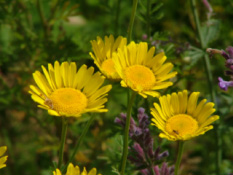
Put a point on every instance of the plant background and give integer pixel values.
(38, 32)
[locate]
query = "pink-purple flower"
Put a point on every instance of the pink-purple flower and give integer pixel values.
(228, 55)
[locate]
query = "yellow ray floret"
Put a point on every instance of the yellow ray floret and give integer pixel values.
(71, 170)
(64, 91)
(180, 117)
(102, 55)
(3, 159)
(141, 70)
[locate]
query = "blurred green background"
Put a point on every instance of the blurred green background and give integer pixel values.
(38, 32)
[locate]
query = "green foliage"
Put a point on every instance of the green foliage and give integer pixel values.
(210, 31)
(38, 32)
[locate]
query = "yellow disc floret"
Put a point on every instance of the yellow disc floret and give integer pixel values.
(139, 77)
(103, 49)
(181, 125)
(141, 70)
(181, 117)
(68, 101)
(108, 67)
(65, 91)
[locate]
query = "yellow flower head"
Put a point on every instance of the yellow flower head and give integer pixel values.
(64, 91)
(180, 117)
(3, 158)
(71, 170)
(141, 71)
(103, 51)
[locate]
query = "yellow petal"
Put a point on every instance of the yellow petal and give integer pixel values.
(192, 103)
(93, 171)
(57, 74)
(2, 150)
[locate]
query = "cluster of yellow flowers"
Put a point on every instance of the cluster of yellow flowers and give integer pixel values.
(137, 67)
(178, 116)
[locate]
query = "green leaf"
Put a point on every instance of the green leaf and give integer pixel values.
(156, 8)
(143, 6)
(159, 16)
(195, 54)
(141, 17)
(210, 31)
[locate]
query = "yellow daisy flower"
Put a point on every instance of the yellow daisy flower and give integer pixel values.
(71, 170)
(141, 71)
(64, 91)
(180, 117)
(103, 51)
(4, 158)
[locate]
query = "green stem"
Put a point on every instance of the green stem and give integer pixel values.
(117, 17)
(197, 22)
(211, 88)
(130, 29)
(63, 139)
(179, 156)
(206, 58)
(126, 133)
(84, 132)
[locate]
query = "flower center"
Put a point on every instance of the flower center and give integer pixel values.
(68, 101)
(181, 125)
(140, 77)
(108, 67)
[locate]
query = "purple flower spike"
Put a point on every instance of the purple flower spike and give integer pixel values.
(156, 170)
(208, 6)
(229, 49)
(228, 55)
(228, 72)
(163, 155)
(145, 172)
(139, 150)
(229, 61)
(224, 84)
(118, 121)
(141, 111)
(143, 154)
(164, 170)
(225, 55)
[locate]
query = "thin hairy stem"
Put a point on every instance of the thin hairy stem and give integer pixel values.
(126, 133)
(211, 88)
(130, 29)
(84, 132)
(179, 156)
(63, 140)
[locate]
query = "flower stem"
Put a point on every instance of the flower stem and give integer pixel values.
(63, 139)
(206, 58)
(130, 28)
(179, 156)
(126, 133)
(211, 88)
(81, 138)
